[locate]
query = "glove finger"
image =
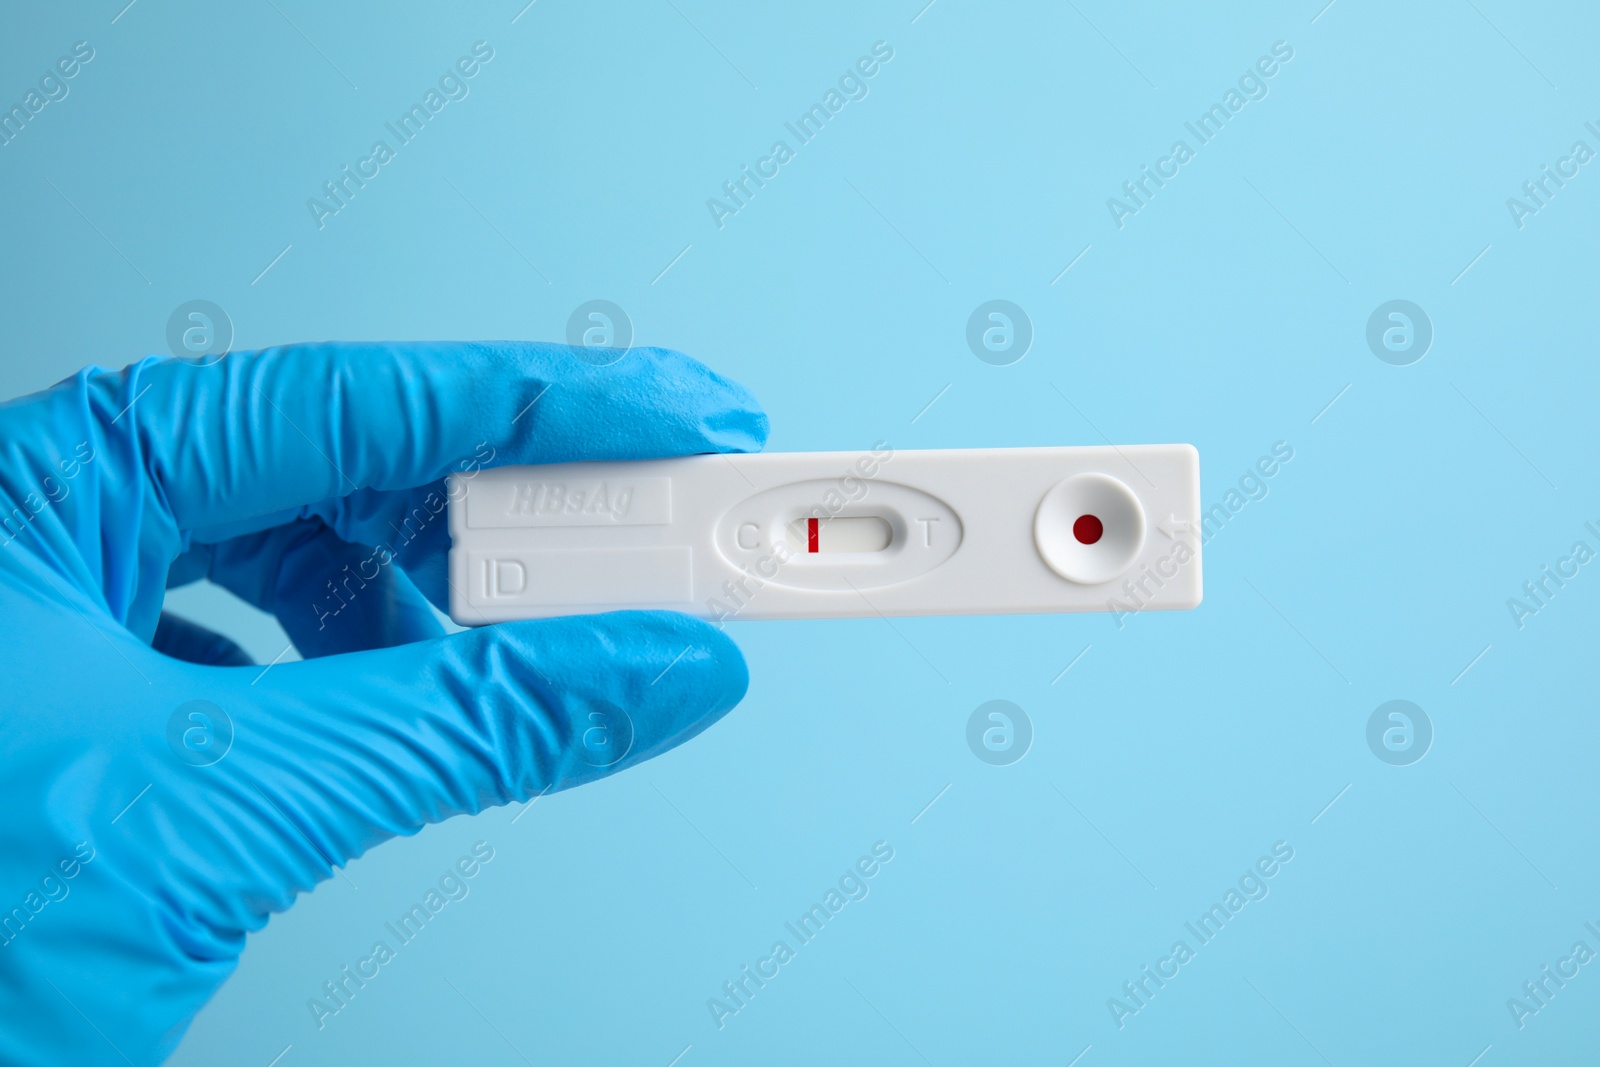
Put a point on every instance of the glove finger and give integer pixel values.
(189, 567)
(268, 433)
(179, 638)
(329, 595)
(364, 747)
(405, 526)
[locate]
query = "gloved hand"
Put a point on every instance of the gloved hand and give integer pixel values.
(161, 797)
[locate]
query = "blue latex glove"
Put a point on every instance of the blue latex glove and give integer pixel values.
(131, 866)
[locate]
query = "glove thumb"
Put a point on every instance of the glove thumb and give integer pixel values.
(354, 749)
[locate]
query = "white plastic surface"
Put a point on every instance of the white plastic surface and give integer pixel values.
(832, 534)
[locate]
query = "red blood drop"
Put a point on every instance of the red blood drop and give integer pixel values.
(1088, 529)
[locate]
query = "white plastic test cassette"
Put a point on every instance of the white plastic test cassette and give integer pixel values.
(832, 534)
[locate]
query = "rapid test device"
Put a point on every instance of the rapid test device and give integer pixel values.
(795, 535)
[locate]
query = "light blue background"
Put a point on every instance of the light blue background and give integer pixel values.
(1228, 313)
